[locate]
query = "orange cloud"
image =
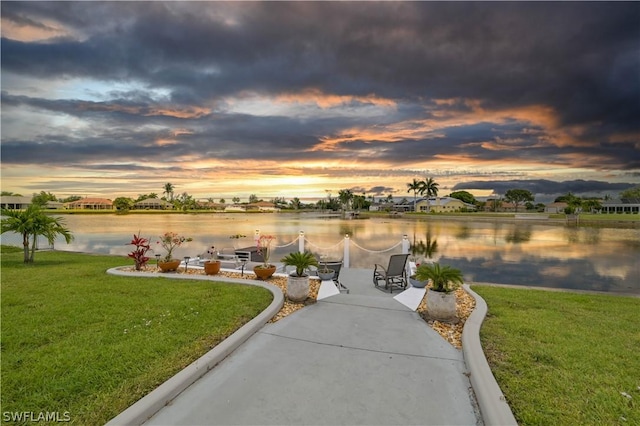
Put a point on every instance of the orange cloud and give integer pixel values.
(177, 112)
(324, 100)
(30, 33)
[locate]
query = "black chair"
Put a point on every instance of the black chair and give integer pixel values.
(394, 275)
(335, 267)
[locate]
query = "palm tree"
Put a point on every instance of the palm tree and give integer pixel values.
(31, 223)
(168, 189)
(430, 187)
(445, 279)
(414, 186)
(345, 196)
(295, 203)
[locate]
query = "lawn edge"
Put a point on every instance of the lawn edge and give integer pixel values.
(143, 409)
(493, 405)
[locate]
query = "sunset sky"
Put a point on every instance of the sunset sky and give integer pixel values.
(296, 99)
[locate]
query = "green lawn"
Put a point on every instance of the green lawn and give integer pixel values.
(77, 340)
(563, 358)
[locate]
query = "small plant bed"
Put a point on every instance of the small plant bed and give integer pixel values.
(452, 333)
(564, 358)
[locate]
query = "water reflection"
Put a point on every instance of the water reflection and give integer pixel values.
(486, 251)
(426, 248)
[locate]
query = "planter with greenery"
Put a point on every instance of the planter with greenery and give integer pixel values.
(212, 266)
(169, 241)
(266, 269)
(298, 280)
(415, 282)
(325, 273)
(441, 299)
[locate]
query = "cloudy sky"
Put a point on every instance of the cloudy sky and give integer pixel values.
(297, 99)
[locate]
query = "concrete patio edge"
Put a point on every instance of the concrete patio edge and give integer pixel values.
(491, 400)
(151, 403)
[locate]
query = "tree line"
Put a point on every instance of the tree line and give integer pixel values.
(347, 199)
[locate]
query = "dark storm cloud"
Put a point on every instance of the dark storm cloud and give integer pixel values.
(546, 187)
(582, 59)
(518, 53)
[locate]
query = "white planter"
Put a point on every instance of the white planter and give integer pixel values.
(326, 276)
(417, 283)
(297, 288)
(441, 306)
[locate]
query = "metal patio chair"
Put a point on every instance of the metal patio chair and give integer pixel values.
(335, 267)
(394, 275)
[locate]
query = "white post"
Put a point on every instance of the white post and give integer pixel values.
(405, 250)
(256, 237)
(405, 244)
(346, 250)
(301, 242)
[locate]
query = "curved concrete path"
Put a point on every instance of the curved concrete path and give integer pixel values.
(361, 358)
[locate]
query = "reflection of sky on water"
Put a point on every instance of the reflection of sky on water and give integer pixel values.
(486, 251)
(577, 274)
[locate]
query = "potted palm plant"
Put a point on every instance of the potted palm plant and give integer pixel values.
(441, 299)
(298, 280)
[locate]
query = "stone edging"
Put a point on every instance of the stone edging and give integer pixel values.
(147, 406)
(493, 405)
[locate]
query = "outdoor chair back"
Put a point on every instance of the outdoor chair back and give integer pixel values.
(394, 275)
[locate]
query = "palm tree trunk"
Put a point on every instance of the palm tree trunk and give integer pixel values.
(25, 247)
(33, 248)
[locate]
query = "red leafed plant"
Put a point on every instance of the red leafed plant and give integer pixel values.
(139, 254)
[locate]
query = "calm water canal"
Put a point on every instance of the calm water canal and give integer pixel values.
(494, 251)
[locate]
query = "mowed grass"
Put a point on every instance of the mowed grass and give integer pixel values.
(563, 358)
(77, 340)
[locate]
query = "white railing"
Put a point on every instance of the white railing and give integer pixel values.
(346, 242)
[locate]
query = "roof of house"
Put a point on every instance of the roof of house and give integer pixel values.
(15, 199)
(152, 202)
(91, 200)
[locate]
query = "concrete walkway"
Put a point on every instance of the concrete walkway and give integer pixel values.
(358, 359)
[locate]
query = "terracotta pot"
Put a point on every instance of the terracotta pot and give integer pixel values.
(172, 265)
(263, 273)
(211, 267)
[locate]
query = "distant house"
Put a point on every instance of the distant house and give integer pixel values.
(236, 208)
(625, 205)
(90, 204)
(501, 206)
(402, 207)
(54, 205)
(263, 206)
(555, 207)
(211, 205)
(153, 204)
(442, 205)
(385, 206)
(14, 202)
